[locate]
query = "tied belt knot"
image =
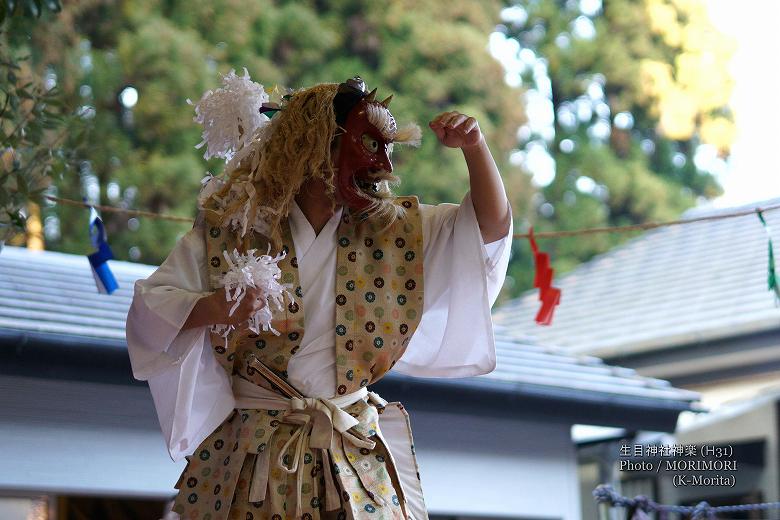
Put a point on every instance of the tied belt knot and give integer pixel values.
(316, 420)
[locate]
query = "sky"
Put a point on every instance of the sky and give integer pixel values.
(753, 172)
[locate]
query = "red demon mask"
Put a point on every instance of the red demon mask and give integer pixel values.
(363, 163)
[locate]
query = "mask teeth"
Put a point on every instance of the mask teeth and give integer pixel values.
(370, 187)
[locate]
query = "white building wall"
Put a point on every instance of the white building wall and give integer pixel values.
(496, 467)
(66, 437)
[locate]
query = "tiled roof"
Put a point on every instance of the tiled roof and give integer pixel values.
(671, 286)
(47, 292)
(528, 365)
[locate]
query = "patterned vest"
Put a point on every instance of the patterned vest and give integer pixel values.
(379, 300)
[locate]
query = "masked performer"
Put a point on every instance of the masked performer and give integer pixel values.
(277, 421)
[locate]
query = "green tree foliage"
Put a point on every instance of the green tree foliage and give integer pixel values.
(636, 89)
(142, 156)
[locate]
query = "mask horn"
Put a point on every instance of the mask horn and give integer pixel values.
(386, 102)
(371, 95)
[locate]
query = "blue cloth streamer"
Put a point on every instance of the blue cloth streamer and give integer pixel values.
(104, 278)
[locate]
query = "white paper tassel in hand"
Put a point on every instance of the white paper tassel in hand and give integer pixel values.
(258, 272)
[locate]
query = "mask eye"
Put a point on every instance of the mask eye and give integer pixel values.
(370, 144)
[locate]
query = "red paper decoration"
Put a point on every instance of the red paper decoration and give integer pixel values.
(549, 296)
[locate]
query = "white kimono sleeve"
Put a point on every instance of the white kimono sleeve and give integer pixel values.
(191, 391)
(463, 277)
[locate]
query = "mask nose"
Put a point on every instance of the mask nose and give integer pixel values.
(385, 161)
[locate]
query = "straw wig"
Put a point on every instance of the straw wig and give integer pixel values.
(266, 171)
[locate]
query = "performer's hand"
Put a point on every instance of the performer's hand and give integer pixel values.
(214, 309)
(456, 130)
(253, 301)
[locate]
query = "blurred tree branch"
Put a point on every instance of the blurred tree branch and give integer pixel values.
(27, 8)
(34, 124)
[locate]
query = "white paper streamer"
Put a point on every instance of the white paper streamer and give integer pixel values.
(222, 111)
(238, 220)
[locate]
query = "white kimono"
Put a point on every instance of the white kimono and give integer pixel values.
(191, 391)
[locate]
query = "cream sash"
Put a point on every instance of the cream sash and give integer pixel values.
(317, 419)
